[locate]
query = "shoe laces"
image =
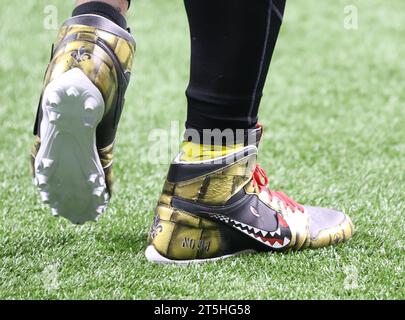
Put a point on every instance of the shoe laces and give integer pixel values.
(260, 179)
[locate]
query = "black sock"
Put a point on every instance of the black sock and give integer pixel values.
(232, 43)
(101, 9)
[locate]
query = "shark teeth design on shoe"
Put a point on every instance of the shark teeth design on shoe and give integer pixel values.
(273, 239)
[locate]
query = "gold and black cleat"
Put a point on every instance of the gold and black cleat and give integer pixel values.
(215, 204)
(78, 116)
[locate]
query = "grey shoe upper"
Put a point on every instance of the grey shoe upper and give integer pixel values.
(322, 218)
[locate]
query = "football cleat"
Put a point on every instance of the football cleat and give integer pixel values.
(215, 204)
(78, 115)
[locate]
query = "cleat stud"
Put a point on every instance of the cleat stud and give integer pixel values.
(89, 121)
(72, 92)
(47, 163)
(88, 125)
(93, 178)
(44, 197)
(98, 191)
(53, 116)
(53, 99)
(101, 209)
(41, 179)
(90, 104)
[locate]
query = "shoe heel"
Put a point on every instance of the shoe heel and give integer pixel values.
(68, 171)
(176, 235)
(179, 237)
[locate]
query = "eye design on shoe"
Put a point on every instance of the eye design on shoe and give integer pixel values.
(254, 212)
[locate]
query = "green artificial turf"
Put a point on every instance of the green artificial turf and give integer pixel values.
(333, 112)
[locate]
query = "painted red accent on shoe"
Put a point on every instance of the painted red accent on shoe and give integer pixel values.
(272, 240)
(281, 221)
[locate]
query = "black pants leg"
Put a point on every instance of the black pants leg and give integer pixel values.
(232, 42)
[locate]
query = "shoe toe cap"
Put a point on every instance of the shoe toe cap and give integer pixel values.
(328, 226)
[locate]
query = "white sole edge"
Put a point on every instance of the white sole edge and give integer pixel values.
(152, 255)
(68, 171)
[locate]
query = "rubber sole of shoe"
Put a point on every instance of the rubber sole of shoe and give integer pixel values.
(68, 171)
(154, 256)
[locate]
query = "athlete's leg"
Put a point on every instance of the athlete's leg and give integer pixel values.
(215, 202)
(232, 43)
(114, 10)
(120, 5)
(79, 110)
